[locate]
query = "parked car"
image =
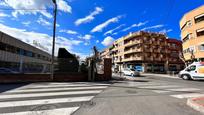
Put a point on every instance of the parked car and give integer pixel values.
(195, 71)
(131, 72)
(7, 71)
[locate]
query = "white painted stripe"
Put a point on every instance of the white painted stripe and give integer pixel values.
(8, 96)
(76, 83)
(61, 111)
(144, 84)
(56, 89)
(160, 91)
(183, 89)
(73, 85)
(44, 101)
(187, 95)
(160, 87)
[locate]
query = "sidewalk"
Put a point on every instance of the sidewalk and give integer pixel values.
(197, 104)
(175, 76)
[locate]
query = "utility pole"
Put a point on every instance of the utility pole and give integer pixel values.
(53, 42)
(120, 65)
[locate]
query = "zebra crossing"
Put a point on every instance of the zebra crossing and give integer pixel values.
(49, 98)
(173, 90)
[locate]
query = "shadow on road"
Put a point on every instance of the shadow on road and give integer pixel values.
(9, 86)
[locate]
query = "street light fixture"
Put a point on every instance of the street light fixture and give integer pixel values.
(53, 42)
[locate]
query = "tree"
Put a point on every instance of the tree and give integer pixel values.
(181, 56)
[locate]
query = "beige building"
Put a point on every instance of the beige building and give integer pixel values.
(147, 52)
(19, 56)
(192, 33)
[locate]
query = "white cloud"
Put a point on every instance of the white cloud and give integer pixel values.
(153, 27)
(2, 3)
(43, 39)
(100, 27)
(4, 15)
(165, 31)
(97, 41)
(69, 32)
(63, 6)
(111, 31)
(135, 25)
(43, 22)
(86, 43)
(26, 23)
(108, 41)
(90, 17)
(115, 33)
(86, 37)
(39, 5)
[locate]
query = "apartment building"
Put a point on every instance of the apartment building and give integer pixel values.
(148, 52)
(19, 56)
(192, 33)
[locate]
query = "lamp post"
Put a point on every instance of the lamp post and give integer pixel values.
(53, 42)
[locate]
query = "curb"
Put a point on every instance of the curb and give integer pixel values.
(199, 107)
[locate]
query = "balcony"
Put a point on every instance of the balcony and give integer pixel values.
(131, 43)
(157, 50)
(133, 50)
(157, 59)
(148, 58)
(147, 42)
(133, 59)
(148, 50)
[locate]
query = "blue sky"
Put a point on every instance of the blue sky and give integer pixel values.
(81, 24)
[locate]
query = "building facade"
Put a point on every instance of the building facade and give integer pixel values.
(192, 33)
(19, 56)
(147, 52)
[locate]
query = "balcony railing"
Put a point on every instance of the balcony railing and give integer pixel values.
(148, 58)
(133, 43)
(133, 59)
(133, 50)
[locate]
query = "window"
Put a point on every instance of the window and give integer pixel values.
(192, 68)
(201, 47)
(199, 18)
(188, 36)
(200, 32)
(2, 46)
(189, 50)
(187, 24)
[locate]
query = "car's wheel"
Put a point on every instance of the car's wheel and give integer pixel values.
(185, 77)
(132, 74)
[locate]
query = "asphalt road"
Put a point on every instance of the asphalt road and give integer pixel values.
(150, 95)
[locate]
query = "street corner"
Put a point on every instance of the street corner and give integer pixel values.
(196, 103)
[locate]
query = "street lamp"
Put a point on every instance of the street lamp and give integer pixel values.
(53, 42)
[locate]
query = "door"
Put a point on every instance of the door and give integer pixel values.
(200, 71)
(193, 71)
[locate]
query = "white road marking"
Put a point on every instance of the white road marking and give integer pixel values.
(61, 111)
(183, 89)
(45, 101)
(160, 91)
(8, 96)
(66, 85)
(144, 84)
(160, 87)
(57, 89)
(187, 95)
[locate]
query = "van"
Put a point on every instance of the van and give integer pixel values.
(194, 71)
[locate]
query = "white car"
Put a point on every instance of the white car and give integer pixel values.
(194, 71)
(131, 72)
